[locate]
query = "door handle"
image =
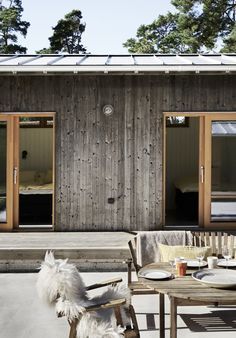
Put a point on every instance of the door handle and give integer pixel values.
(15, 175)
(202, 173)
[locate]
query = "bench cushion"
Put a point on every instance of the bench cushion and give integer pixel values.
(169, 252)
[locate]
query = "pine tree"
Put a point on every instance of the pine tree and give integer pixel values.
(196, 26)
(67, 34)
(11, 25)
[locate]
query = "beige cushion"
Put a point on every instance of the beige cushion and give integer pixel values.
(171, 252)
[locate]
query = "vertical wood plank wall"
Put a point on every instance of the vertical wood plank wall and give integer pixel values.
(120, 156)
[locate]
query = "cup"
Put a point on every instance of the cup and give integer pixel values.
(178, 259)
(181, 268)
(212, 262)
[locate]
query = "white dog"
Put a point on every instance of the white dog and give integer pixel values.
(60, 283)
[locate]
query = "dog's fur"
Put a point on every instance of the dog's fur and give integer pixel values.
(60, 283)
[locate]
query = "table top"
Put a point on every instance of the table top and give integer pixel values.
(186, 287)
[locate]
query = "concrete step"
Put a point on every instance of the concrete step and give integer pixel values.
(90, 251)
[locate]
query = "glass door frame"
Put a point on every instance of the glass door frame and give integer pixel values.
(201, 116)
(208, 169)
(8, 225)
(205, 153)
(13, 142)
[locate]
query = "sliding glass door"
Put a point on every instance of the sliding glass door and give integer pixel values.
(200, 170)
(27, 143)
(220, 164)
(5, 173)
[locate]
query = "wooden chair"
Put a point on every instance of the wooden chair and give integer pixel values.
(216, 240)
(138, 288)
(130, 332)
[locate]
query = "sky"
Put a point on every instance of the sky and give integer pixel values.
(109, 23)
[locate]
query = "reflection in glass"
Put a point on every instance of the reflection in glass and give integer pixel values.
(223, 183)
(3, 166)
(177, 121)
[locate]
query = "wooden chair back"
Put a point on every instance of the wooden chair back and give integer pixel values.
(216, 240)
(132, 247)
(136, 288)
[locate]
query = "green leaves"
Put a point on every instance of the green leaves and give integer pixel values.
(196, 26)
(10, 25)
(67, 35)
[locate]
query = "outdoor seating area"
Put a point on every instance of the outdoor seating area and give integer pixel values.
(170, 262)
(33, 319)
(170, 273)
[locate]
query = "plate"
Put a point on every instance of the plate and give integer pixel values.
(193, 263)
(154, 274)
(231, 263)
(216, 278)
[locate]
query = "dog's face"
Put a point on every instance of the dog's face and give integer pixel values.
(57, 278)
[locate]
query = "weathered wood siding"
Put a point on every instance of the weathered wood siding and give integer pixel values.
(120, 156)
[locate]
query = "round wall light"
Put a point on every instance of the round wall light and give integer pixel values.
(108, 109)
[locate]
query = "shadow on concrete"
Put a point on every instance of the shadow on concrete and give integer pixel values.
(219, 320)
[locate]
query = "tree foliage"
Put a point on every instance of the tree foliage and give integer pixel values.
(195, 26)
(10, 25)
(67, 35)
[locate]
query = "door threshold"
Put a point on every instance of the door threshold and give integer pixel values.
(34, 226)
(182, 227)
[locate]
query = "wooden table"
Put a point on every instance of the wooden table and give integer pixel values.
(184, 291)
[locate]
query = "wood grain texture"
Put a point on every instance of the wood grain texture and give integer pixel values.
(119, 156)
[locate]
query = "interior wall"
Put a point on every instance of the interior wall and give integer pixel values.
(38, 142)
(182, 151)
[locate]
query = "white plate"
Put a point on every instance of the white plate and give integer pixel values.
(216, 278)
(231, 263)
(154, 274)
(193, 263)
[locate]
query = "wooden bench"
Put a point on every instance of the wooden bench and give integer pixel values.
(216, 240)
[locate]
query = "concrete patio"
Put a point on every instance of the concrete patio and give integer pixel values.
(23, 315)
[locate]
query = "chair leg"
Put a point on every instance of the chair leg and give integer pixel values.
(134, 320)
(118, 316)
(162, 315)
(73, 328)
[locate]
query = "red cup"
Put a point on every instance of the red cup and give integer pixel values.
(181, 268)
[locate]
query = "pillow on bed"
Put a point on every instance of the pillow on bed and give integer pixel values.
(190, 252)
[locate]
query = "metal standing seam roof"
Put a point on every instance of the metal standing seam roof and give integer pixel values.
(130, 63)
